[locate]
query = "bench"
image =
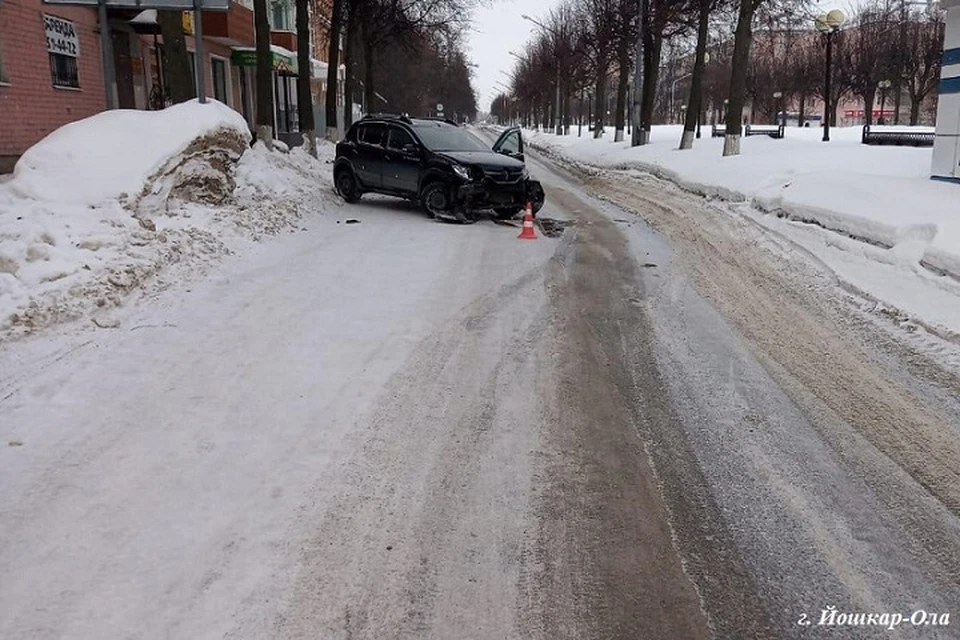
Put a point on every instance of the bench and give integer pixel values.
(901, 138)
(772, 130)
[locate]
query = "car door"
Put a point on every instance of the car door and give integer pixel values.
(510, 143)
(369, 161)
(401, 170)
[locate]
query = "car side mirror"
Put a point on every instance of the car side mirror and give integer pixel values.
(410, 149)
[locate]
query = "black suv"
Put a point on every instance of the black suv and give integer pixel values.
(451, 172)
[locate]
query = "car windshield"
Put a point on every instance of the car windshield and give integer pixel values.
(441, 137)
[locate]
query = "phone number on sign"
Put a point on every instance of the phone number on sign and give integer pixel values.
(830, 617)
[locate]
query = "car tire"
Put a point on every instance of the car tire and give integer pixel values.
(435, 199)
(507, 213)
(347, 186)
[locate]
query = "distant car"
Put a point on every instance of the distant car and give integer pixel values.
(450, 171)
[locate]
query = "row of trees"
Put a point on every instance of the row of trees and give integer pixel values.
(402, 54)
(583, 45)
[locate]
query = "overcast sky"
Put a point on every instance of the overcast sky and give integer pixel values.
(497, 29)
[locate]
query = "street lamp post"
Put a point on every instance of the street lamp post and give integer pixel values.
(884, 87)
(828, 24)
(557, 127)
(726, 106)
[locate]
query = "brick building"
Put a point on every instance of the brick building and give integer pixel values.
(51, 66)
(42, 89)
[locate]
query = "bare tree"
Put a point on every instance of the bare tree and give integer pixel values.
(304, 74)
(695, 100)
(626, 36)
(264, 74)
(922, 59)
(866, 58)
(333, 66)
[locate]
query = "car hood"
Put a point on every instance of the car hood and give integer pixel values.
(484, 159)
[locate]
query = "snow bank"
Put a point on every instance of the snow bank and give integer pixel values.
(113, 154)
(86, 220)
(881, 195)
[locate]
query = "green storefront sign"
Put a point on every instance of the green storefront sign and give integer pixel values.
(248, 58)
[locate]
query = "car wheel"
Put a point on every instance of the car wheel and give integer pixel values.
(347, 185)
(507, 213)
(435, 198)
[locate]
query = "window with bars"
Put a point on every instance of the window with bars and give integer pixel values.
(63, 70)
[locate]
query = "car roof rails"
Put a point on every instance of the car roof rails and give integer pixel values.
(387, 116)
(440, 119)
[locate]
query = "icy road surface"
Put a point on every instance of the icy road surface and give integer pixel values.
(405, 429)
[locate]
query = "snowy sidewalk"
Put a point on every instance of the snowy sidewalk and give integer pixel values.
(882, 195)
(86, 223)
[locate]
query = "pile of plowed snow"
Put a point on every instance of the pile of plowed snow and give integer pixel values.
(121, 202)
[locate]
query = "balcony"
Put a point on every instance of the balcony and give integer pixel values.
(233, 27)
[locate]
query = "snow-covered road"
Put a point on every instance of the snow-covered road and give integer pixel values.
(405, 429)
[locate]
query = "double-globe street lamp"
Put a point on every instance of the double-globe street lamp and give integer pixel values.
(557, 125)
(828, 24)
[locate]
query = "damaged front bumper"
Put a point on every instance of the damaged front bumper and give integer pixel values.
(473, 196)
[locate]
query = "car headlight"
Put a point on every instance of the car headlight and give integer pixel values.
(524, 174)
(462, 171)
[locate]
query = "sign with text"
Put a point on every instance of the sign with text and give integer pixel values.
(182, 5)
(61, 36)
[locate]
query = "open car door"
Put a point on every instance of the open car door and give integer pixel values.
(510, 143)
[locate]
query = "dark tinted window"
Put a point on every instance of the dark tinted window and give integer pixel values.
(399, 138)
(373, 133)
(445, 137)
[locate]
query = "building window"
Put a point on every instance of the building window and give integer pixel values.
(63, 70)
(63, 47)
(193, 73)
(219, 68)
(3, 74)
(280, 18)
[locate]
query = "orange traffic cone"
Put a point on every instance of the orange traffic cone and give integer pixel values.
(528, 232)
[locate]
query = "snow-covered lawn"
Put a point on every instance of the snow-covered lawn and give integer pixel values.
(879, 194)
(126, 202)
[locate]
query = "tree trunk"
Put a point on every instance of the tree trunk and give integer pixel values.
(696, 80)
(639, 86)
(179, 76)
(623, 60)
(868, 98)
(369, 94)
(802, 116)
(333, 75)
(264, 74)
(897, 95)
(304, 90)
(915, 102)
(348, 81)
(651, 76)
(738, 78)
(601, 102)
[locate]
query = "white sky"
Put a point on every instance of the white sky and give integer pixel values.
(497, 29)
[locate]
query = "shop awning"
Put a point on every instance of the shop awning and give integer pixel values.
(284, 61)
